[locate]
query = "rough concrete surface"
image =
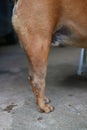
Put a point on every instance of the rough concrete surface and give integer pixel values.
(67, 91)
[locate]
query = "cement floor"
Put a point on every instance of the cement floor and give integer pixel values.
(67, 91)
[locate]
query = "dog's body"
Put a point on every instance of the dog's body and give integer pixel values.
(35, 21)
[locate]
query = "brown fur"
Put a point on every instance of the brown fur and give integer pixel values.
(35, 21)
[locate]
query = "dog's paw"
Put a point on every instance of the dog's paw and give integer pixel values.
(47, 109)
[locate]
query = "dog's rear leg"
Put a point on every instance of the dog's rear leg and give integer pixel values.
(36, 46)
(34, 27)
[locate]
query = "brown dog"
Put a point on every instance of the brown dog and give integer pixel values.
(35, 21)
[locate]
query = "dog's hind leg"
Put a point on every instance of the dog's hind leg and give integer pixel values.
(34, 27)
